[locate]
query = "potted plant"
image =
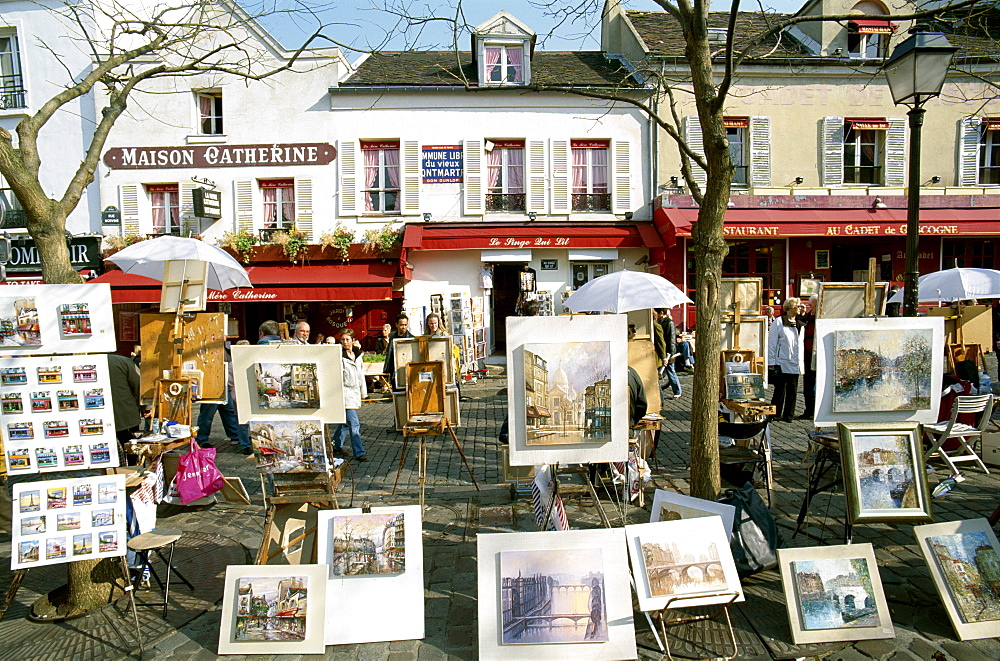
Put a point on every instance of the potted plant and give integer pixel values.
(241, 242)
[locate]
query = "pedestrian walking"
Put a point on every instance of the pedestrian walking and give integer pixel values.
(785, 352)
(355, 390)
(668, 331)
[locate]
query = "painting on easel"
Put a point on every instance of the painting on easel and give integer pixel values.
(882, 370)
(289, 446)
(287, 386)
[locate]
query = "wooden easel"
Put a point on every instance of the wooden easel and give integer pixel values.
(665, 620)
(292, 490)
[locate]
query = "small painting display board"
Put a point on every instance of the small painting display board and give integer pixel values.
(884, 369)
(56, 319)
(843, 300)
(745, 290)
(375, 565)
(286, 381)
(976, 324)
(183, 288)
(962, 558)
(743, 362)
(273, 610)
(642, 358)
(670, 506)
(584, 572)
(451, 408)
(423, 349)
(57, 521)
(744, 387)
(569, 389)
(834, 593)
(202, 349)
(57, 413)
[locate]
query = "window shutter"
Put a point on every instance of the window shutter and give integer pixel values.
(243, 191)
(190, 225)
(692, 136)
(350, 191)
(536, 175)
(304, 206)
(560, 176)
(833, 151)
(968, 154)
(895, 152)
(409, 160)
(760, 151)
(474, 199)
(621, 192)
(129, 200)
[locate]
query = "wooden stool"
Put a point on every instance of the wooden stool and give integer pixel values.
(155, 540)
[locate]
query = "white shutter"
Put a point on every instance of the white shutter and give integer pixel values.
(190, 225)
(410, 170)
(474, 199)
(560, 176)
(129, 200)
(621, 191)
(304, 207)
(244, 194)
(760, 151)
(895, 152)
(535, 154)
(350, 200)
(693, 139)
(833, 151)
(968, 155)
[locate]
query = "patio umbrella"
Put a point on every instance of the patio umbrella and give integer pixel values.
(958, 284)
(147, 258)
(625, 291)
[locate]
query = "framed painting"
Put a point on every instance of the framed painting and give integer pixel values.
(670, 506)
(834, 593)
(682, 563)
(288, 381)
(583, 574)
(408, 350)
(293, 445)
(884, 477)
(962, 558)
(809, 284)
(273, 609)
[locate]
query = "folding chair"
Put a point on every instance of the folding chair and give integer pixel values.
(752, 446)
(939, 433)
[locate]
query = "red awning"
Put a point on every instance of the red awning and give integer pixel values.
(672, 225)
(872, 26)
(484, 236)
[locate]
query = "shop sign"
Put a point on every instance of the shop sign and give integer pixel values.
(111, 216)
(219, 156)
(442, 164)
(243, 295)
(889, 230)
(529, 242)
(858, 229)
(84, 253)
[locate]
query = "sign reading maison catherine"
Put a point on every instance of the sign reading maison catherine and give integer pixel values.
(219, 156)
(442, 164)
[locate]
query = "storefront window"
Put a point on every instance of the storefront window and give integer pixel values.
(584, 272)
(506, 176)
(749, 259)
(977, 254)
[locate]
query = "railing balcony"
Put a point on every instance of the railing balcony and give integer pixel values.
(592, 202)
(863, 174)
(13, 215)
(505, 201)
(12, 92)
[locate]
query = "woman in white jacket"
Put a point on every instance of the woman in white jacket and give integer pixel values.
(355, 390)
(786, 358)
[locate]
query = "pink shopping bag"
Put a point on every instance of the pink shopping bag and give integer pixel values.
(197, 475)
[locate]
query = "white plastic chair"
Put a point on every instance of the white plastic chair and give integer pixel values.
(966, 435)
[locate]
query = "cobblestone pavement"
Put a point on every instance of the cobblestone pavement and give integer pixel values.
(456, 512)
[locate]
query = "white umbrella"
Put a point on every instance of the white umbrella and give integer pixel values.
(147, 258)
(625, 291)
(958, 284)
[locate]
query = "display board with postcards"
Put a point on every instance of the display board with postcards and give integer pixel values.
(56, 319)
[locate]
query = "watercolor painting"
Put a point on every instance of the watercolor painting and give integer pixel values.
(567, 392)
(366, 544)
(970, 566)
(835, 593)
(32, 525)
(83, 544)
(287, 386)
(27, 551)
(882, 370)
(552, 596)
(685, 565)
(19, 322)
(270, 608)
(74, 319)
(29, 501)
(289, 446)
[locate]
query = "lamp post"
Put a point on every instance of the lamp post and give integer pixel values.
(916, 72)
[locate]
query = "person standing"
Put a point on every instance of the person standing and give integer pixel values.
(382, 341)
(301, 334)
(669, 331)
(808, 321)
(402, 331)
(432, 326)
(124, 378)
(268, 332)
(355, 390)
(785, 353)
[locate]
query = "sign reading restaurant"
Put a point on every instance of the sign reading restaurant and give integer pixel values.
(217, 156)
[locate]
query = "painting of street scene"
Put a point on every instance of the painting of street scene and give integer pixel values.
(271, 608)
(884, 370)
(884, 465)
(368, 544)
(287, 386)
(19, 322)
(835, 593)
(567, 392)
(970, 566)
(552, 596)
(683, 565)
(289, 446)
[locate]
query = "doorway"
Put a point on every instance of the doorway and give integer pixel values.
(506, 286)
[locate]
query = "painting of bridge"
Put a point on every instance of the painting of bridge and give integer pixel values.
(682, 566)
(882, 370)
(552, 596)
(835, 593)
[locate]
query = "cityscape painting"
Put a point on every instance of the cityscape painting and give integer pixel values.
(287, 386)
(272, 608)
(970, 566)
(567, 392)
(835, 593)
(552, 596)
(883, 470)
(289, 446)
(365, 544)
(682, 565)
(19, 322)
(882, 370)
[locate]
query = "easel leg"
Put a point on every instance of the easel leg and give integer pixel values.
(15, 585)
(127, 586)
(422, 469)
(454, 439)
(597, 501)
(402, 458)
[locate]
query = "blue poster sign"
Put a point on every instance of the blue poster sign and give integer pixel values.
(442, 164)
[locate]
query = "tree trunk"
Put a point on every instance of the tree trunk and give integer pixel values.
(90, 585)
(49, 234)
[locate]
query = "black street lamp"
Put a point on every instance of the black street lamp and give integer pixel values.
(916, 71)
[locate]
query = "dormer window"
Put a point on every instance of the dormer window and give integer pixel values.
(504, 64)
(869, 38)
(502, 47)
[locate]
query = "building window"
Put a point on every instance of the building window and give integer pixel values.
(210, 113)
(748, 259)
(506, 176)
(279, 203)
(737, 133)
(584, 272)
(864, 141)
(381, 176)
(12, 93)
(590, 176)
(166, 202)
(504, 64)
(13, 213)
(866, 37)
(865, 45)
(978, 254)
(989, 152)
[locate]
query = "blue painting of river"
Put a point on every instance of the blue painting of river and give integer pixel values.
(835, 593)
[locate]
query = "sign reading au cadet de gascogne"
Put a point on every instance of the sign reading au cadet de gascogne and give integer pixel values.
(216, 156)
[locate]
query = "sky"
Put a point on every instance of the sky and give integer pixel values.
(362, 24)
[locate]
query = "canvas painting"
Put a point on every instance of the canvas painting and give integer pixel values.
(552, 596)
(19, 322)
(289, 446)
(743, 387)
(682, 566)
(670, 506)
(567, 392)
(287, 386)
(882, 370)
(365, 544)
